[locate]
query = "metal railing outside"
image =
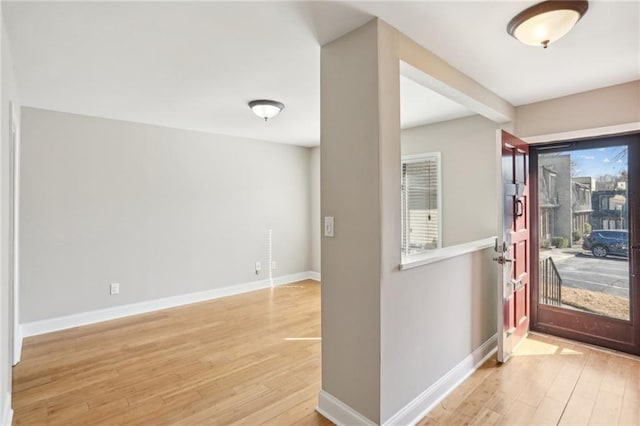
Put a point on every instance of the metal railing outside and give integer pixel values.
(550, 288)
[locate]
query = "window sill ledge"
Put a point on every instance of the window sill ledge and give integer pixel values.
(446, 253)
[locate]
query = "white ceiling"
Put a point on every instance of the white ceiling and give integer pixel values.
(195, 65)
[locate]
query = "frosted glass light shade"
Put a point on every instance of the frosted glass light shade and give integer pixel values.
(266, 109)
(546, 22)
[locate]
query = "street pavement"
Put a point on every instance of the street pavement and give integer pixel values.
(580, 269)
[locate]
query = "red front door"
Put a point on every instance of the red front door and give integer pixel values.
(514, 294)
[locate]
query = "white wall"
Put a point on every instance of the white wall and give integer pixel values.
(161, 211)
(8, 95)
(608, 106)
(350, 192)
(314, 200)
(468, 147)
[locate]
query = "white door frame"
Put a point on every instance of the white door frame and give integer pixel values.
(504, 343)
(14, 205)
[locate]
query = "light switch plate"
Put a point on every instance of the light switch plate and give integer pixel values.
(328, 226)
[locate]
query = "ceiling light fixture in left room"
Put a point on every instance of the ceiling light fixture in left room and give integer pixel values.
(266, 109)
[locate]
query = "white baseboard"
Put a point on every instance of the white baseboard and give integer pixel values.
(287, 279)
(17, 349)
(61, 323)
(339, 412)
(314, 275)
(414, 411)
(6, 413)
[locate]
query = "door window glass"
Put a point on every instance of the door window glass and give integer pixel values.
(584, 250)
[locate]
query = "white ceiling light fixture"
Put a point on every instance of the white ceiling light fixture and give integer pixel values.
(546, 22)
(266, 109)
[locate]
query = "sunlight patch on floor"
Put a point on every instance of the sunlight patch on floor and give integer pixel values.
(530, 347)
(567, 351)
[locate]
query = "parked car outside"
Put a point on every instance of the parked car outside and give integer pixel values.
(607, 241)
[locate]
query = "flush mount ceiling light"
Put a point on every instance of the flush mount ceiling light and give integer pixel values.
(266, 109)
(546, 22)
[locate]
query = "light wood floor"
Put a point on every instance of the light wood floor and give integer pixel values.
(548, 382)
(241, 359)
(255, 359)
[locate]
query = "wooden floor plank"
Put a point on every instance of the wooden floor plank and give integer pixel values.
(548, 412)
(630, 411)
(607, 408)
(578, 411)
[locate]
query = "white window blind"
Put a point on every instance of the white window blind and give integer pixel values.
(421, 204)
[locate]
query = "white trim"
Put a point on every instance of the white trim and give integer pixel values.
(15, 143)
(414, 411)
(271, 256)
(17, 349)
(339, 412)
(500, 242)
(6, 413)
(446, 253)
(54, 324)
(586, 133)
(314, 276)
(288, 279)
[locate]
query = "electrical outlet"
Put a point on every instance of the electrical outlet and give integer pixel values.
(114, 288)
(258, 267)
(274, 265)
